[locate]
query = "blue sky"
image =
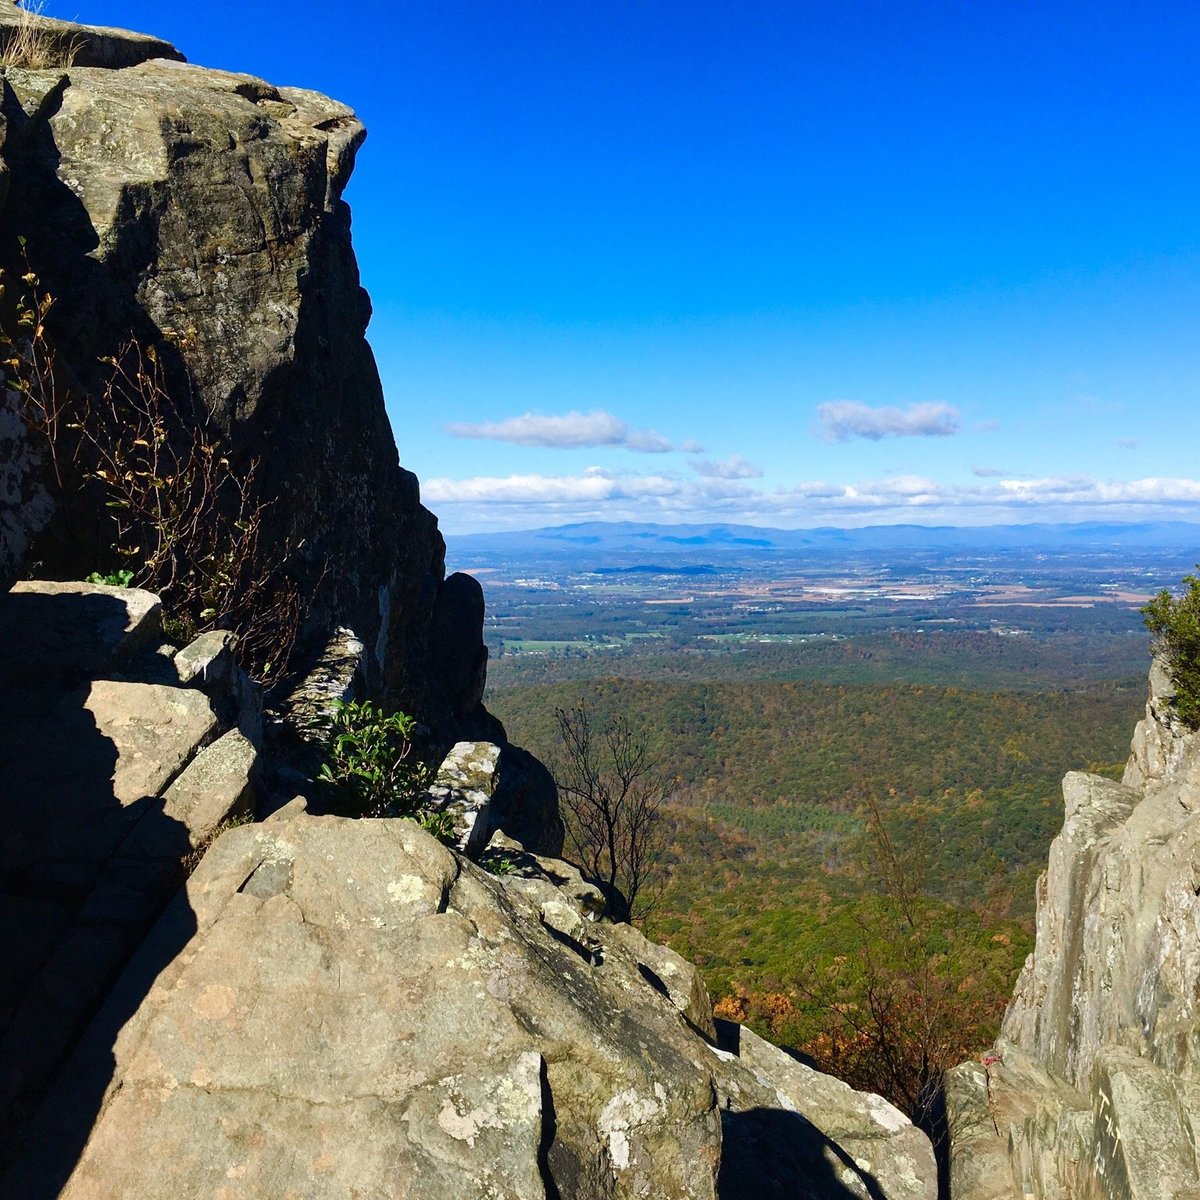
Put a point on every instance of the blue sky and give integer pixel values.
(798, 264)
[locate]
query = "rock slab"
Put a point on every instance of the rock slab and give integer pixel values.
(340, 1007)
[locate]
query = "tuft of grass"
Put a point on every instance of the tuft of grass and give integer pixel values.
(34, 45)
(191, 860)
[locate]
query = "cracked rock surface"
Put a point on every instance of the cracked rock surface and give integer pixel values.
(1093, 1089)
(346, 1008)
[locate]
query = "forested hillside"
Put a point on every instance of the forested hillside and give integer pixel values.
(772, 874)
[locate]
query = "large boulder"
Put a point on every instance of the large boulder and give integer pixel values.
(200, 212)
(340, 1007)
(1093, 1087)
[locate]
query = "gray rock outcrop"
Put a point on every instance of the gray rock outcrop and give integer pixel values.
(1093, 1089)
(200, 212)
(340, 1007)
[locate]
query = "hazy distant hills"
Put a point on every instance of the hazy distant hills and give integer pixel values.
(748, 541)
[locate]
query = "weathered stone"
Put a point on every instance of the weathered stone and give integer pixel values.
(463, 789)
(81, 45)
(90, 847)
(216, 217)
(791, 1131)
(334, 677)
(210, 664)
(1097, 1072)
(525, 804)
(451, 1042)
(67, 633)
(447, 1044)
(679, 980)
(458, 657)
(155, 731)
(218, 785)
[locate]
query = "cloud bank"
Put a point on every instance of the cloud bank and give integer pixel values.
(571, 431)
(606, 495)
(842, 420)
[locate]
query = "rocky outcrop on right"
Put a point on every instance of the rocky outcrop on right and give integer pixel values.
(1093, 1089)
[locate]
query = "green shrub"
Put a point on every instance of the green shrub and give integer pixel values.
(1174, 622)
(372, 766)
(121, 579)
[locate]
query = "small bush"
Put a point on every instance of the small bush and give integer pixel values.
(372, 767)
(178, 516)
(121, 579)
(1174, 622)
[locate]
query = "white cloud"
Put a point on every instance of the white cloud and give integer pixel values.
(525, 500)
(570, 431)
(691, 446)
(986, 472)
(733, 467)
(841, 420)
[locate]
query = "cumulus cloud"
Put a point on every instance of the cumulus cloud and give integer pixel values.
(841, 420)
(691, 446)
(570, 431)
(986, 472)
(733, 467)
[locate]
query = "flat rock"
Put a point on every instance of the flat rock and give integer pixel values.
(71, 44)
(154, 729)
(67, 633)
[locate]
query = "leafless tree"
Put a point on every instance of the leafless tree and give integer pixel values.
(613, 799)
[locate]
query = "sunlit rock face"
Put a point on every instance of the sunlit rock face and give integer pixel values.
(339, 1007)
(1095, 1090)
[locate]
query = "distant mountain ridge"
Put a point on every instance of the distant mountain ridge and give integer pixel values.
(661, 540)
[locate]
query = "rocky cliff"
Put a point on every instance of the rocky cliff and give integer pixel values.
(200, 212)
(1093, 1089)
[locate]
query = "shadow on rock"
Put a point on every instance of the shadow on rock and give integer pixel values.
(86, 865)
(773, 1154)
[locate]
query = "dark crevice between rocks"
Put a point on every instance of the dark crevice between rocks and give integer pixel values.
(592, 955)
(447, 892)
(652, 978)
(549, 1132)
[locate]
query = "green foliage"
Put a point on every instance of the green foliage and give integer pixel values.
(1174, 623)
(501, 861)
(122, 579)
(371, 764)
(437, 824)
(765, 834)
